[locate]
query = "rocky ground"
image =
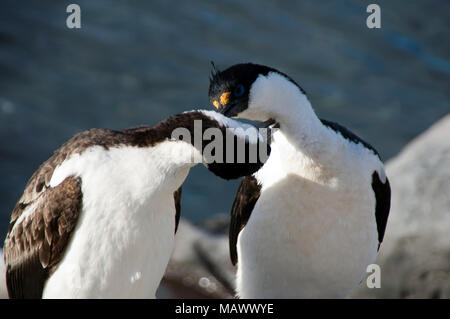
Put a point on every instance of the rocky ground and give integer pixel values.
(200, 266)
(414, 257)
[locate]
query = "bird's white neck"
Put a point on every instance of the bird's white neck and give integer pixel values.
(282, 100)
(146, 168)
(299, 122)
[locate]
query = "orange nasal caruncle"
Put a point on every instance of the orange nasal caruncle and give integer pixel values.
(225, 98)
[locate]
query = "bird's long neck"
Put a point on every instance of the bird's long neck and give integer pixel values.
(183, 134)
(298, 120)
(278, 97)
(301, 126)
(228, 148)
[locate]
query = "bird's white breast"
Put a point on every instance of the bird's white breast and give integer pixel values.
(124, 236)
(313, 231)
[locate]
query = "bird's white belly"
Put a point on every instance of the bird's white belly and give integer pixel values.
(125, 233)
(128, 261)
(306, 240)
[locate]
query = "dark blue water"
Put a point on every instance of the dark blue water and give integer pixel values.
(137, 62)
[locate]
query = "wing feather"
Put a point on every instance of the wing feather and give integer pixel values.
(35, 242)
(383, 203)
(177, 199)
(246, 198)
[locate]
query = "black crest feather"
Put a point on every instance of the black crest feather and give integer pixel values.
(214, 72)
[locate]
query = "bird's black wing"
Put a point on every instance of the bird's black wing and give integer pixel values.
(383, 203)
(246, 198)
(348, 135)
(177, 199)
(35, 243)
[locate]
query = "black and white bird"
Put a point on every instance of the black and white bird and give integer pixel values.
(311, 220)
(98, 218)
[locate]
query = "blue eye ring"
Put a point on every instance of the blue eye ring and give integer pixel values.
(239, 90)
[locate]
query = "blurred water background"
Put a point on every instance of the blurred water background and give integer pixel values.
(137, 62)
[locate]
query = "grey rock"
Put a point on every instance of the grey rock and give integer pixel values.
(415, 255)
(200, 266)
(219, 224)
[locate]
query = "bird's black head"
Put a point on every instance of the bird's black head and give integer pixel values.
(230, 90)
